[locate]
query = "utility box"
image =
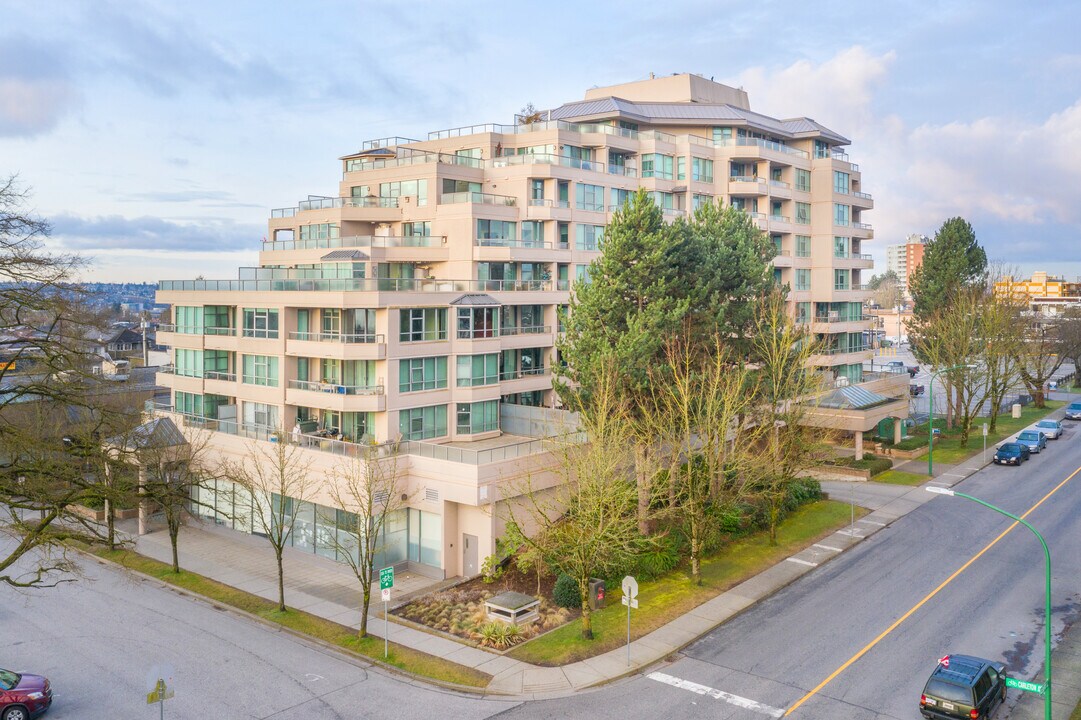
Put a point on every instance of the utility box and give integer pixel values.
(596, 594)
(1016, 410)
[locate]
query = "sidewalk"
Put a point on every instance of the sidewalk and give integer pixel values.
(327, 589)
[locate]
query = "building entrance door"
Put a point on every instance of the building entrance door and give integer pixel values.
(470, 566)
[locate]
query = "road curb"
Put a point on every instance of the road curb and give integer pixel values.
(354, 658)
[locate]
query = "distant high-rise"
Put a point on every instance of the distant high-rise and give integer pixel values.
(903, 258)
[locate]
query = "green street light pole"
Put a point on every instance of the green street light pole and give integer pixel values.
(931, 417)
(1047, 590)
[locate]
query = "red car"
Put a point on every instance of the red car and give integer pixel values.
(23, 696)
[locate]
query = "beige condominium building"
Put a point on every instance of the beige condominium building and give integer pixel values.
(418, 304)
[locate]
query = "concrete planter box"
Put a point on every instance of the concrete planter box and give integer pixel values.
(857, 473)
(905, 454)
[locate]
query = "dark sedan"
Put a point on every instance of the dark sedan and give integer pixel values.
(1011, 454)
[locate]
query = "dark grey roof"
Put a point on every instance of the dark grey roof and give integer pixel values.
(511, 600)
(653, 112)
(475, 299)
(344, 255)
(158, 433)
(853, 398)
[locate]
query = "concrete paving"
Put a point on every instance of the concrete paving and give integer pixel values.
(328, 589)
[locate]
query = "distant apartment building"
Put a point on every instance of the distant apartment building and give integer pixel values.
(1041, 291)
(417, 305)
(903, 258)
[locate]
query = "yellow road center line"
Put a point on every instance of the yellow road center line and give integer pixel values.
(921, 603)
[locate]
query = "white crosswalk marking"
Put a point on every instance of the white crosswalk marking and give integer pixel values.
(718, 694)
(802, 562)
(828, 547)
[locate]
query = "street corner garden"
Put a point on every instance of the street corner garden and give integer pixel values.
(461, 611)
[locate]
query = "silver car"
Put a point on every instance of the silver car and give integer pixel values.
(1051, 428)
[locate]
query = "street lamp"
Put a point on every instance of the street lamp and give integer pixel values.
(931, 416)
(1047, 589)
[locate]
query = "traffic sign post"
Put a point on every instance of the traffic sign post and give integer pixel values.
(159, 694)
(984, 456)
(386, 582)
(630, 599)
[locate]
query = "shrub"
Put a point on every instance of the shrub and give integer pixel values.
(659, 559)
(912, 443)
(801, 491)
(491, 569)
(499, 635)
(565, 593)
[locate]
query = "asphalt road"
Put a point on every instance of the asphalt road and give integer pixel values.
(780, 649)
(97, 639)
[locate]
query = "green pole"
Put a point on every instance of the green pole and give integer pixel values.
(1047, 592)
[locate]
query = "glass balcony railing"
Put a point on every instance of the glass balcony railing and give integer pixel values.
(343, 338)
(523, 373)
(512, 243)
(329, 203)
(764, 144)
(326, 387)
(477, 197)
(372, 241)
(217, 375)
(354, 285)
(448, 453)
(525, 330)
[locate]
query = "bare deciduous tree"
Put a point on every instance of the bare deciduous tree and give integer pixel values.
(278, 477)
(368, 488)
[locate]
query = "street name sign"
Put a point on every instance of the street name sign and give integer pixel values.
(1024, 685)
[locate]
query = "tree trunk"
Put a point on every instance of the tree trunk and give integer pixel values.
(696, 552)
(281, 580)
(110, 524)
(174, 535)
(587, 621)
(363, 630)
(642, 480)
(1038, 398)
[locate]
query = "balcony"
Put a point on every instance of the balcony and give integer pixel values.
(352, 208)
(771, 148)
(331, 396)
(838, 323)
(747, 185)
(337, 346)
(783, 258)
(477, 198)
(552, 159)
(844, 355)
(546, 209)
(380, 248)
(511, 250)
(354, 285)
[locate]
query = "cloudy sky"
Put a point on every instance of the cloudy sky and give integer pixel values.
(155, 137)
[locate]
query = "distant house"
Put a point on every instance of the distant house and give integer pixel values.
(124, 342)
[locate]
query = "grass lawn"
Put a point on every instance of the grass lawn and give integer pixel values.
(900, 477)
(672, 595)
(400, 657)
(948, 446)
(1076, 711)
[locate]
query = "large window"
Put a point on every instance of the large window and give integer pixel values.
(840, 214)
(260, 322)
(620, 197)
(842, 279)
(496, 230)
(478, 417)
(803, 279)
(803, 213)
(476, 370)
(840, 247)
(417, 229)
(423, 423)
(803, 246)
(320, 231)
(655, 165)
(702, 170)
(419, 324)
(415, 374)
(822, 149)
(188, 363)
(589, 197)
(803, 180)
(840, 182)
(260, 370)
(532, 233)
(477, 322)
(408, 188)
(681, 168)
(588, 237)
(189, 320)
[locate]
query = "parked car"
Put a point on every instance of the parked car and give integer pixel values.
(1073, 411)
(23, 696)
(963, 686)
(916, 390)
(1011, 454)
(1051, 428)
(1034, 440)
(899, 366)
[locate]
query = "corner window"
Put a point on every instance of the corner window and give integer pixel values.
(260, 323)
